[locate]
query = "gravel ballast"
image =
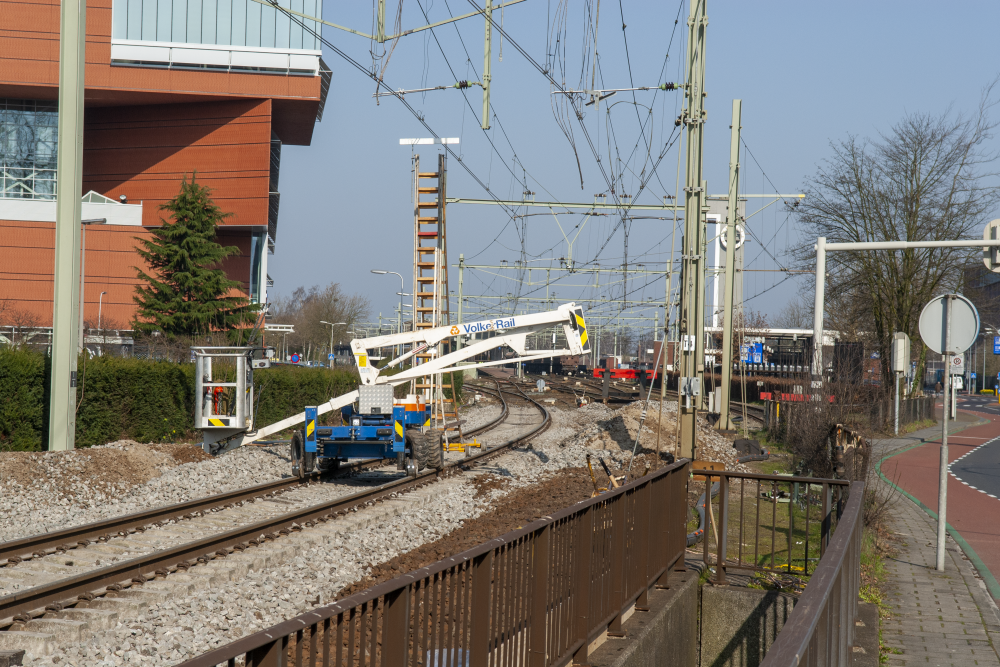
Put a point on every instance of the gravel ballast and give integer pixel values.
(43, 492)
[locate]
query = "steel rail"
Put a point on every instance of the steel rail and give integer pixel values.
(55, 596)
(45, 544)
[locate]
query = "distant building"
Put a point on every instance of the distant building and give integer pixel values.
(173, 87)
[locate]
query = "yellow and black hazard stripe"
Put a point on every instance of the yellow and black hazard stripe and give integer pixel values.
(583, 329)
(212, 421)
(310, 428)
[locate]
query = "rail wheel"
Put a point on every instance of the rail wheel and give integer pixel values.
(302, 461)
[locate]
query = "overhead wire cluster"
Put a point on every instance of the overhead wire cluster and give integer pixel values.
(634, 169)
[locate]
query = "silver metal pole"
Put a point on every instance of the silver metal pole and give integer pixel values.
(461, 278)
(69, 182)
(83, 279)
(817, 366)
(943, 465)
(897, 402)
(725, 423)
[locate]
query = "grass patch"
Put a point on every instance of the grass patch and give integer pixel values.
(916, 426)
(876, 546)
(772, 526)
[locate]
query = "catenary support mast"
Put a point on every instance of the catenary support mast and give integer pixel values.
(692, 319)
(69, 182)
(728, 305)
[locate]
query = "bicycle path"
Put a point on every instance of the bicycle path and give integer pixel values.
(938, 618)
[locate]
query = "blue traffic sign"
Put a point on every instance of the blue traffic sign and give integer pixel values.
(973, 374)
(295, 358)
(330, 357)
(996, 345)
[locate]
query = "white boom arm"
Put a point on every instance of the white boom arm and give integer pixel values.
(511, 331)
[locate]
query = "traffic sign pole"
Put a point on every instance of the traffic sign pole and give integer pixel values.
(943, 465)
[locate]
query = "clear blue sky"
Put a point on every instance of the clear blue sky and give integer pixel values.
(807, 73)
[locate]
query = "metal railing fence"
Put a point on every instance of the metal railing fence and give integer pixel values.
(769, 522)
(537, 596)
(820, 629)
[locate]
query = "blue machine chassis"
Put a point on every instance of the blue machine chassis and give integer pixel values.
(365, 436)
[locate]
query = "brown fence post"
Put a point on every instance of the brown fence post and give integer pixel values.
(482, 600)
(396, 628)
(271, 654)
(583, 553)
(721, 528)
(541, 550)
(643, 508)
(824, 531)
(677, 526)
(617, 564)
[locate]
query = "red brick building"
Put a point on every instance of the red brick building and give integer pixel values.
(173, 87)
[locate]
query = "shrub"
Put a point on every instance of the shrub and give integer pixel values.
(147, 401)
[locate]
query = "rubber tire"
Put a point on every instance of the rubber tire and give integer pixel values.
(428, 451)
(302, 461)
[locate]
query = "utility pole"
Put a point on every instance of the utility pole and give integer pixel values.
(69, 182)
(692, 320)
(487, 57)
(725, 423)
(461, 277)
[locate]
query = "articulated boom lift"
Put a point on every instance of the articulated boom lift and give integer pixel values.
(379, 427)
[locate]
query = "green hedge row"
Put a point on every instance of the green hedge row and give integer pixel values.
(147, 401)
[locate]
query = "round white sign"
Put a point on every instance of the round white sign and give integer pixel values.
(964, 324)
(740, 237)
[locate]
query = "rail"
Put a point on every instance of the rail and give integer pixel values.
(820, 629)
(538, 595)
(746, 529)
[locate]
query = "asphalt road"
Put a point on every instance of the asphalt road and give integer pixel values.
(980, 468)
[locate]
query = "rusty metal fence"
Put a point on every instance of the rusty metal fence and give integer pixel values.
(769, 522)
(537, 596)
(820, 629)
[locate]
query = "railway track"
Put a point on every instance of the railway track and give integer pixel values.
(618, 394)
(71, 588)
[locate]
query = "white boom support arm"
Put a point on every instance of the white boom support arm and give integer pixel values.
(512, 332)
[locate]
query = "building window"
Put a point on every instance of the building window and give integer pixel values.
(28, 141)
(258, 268)
(219, 22)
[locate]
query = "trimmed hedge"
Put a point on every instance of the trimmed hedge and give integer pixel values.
(147, 401)
(24, 400)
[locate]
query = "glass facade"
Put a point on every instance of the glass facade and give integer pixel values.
(220, 22)
(28, 142)
(258, 268)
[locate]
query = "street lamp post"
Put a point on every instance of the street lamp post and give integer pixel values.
(332, 325)
(83, 269)
(402, 286)
(100, 309)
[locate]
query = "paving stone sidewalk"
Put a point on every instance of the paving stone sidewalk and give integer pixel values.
(938, 618)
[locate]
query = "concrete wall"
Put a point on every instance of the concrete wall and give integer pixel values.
(667, 634)
(738, 625)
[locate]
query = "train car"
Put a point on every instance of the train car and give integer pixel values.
(625, 374)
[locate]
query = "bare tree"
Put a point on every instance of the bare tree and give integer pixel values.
(23, 324)
(795, 315)
(307, 309)
(926, 179)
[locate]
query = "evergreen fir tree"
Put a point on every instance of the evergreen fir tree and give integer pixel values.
(187, 294)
